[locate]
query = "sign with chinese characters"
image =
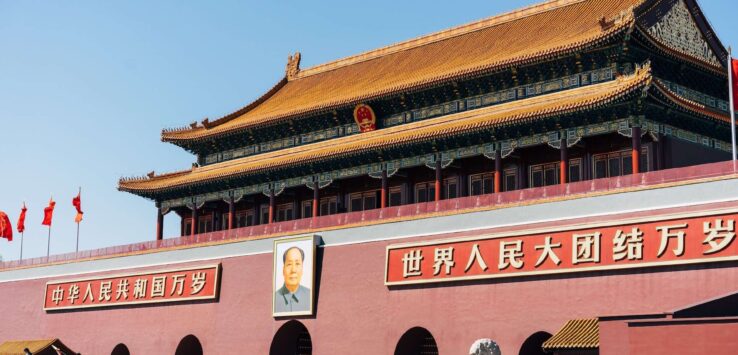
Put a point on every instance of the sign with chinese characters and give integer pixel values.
(198, 283)
(645, 242)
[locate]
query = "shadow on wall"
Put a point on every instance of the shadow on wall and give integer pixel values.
(189, 345)
(416, 341)
(292, 338)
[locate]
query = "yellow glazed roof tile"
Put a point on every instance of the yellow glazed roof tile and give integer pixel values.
(575, 334)
(534, 33)
(539, 107)
(34, 346)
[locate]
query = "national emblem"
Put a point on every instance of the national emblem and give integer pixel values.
(365, 118)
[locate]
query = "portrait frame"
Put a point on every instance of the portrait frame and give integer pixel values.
(308, 244)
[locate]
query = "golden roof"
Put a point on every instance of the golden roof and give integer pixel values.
(575, 334)
(539, 107)
(520, 37)
(34, 346)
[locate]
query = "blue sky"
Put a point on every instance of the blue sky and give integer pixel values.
(87, 86)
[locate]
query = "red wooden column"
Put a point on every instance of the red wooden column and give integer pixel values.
(438, 179)
(316, 199)
(159, 224)
(564, 164)
(195, 218)
(636, 138)
(271, 206)
(383, 198)
(231, 213)
(498, 170)
(659, 154)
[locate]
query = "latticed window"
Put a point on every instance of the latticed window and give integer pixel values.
(363, 201)
(187, 226)
(548, 174)
(425, 192)
(307, 209)
(510, 179)
(396, 196)
(244, 219)
(328, 205)
(617, 163)
(480, 184)
(285, 212)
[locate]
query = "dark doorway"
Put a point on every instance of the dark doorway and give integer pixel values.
(292, 339)
(534, 344)
(189, 345)
(120, 349)
(416, 341)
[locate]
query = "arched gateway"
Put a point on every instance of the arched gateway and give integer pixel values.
(120, 349)
(417, 341)
(534, 344)
(292, 339)
(189, 345)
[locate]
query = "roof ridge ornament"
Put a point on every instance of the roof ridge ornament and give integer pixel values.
(293, 66)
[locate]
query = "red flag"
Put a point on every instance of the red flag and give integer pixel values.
(77, 203)
(6, 229)
(22, 219)
(734, 67)
(48, 213)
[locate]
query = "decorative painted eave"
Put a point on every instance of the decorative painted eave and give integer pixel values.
(662, 93)
(511, 113)
(459, 53)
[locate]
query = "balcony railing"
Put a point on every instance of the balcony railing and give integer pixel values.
(678, 176)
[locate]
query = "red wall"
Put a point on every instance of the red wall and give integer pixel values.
(354, 307)
(714, 336)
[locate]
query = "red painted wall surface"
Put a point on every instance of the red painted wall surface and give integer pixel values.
(357, 314)
(667, 338)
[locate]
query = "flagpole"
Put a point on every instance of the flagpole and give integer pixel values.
(48, 244)
(21, 256)
(732, 104)
(79, 195)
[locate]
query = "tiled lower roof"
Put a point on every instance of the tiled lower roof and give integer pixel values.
(575, 334)
(34, 346)
(689, 105)
(526, 110)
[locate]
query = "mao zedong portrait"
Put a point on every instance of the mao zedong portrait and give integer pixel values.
(292, 296)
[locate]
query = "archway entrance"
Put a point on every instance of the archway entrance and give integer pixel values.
(120, 349)
(292, 339)
(417, 341)
(189, 345)
(534, 344)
